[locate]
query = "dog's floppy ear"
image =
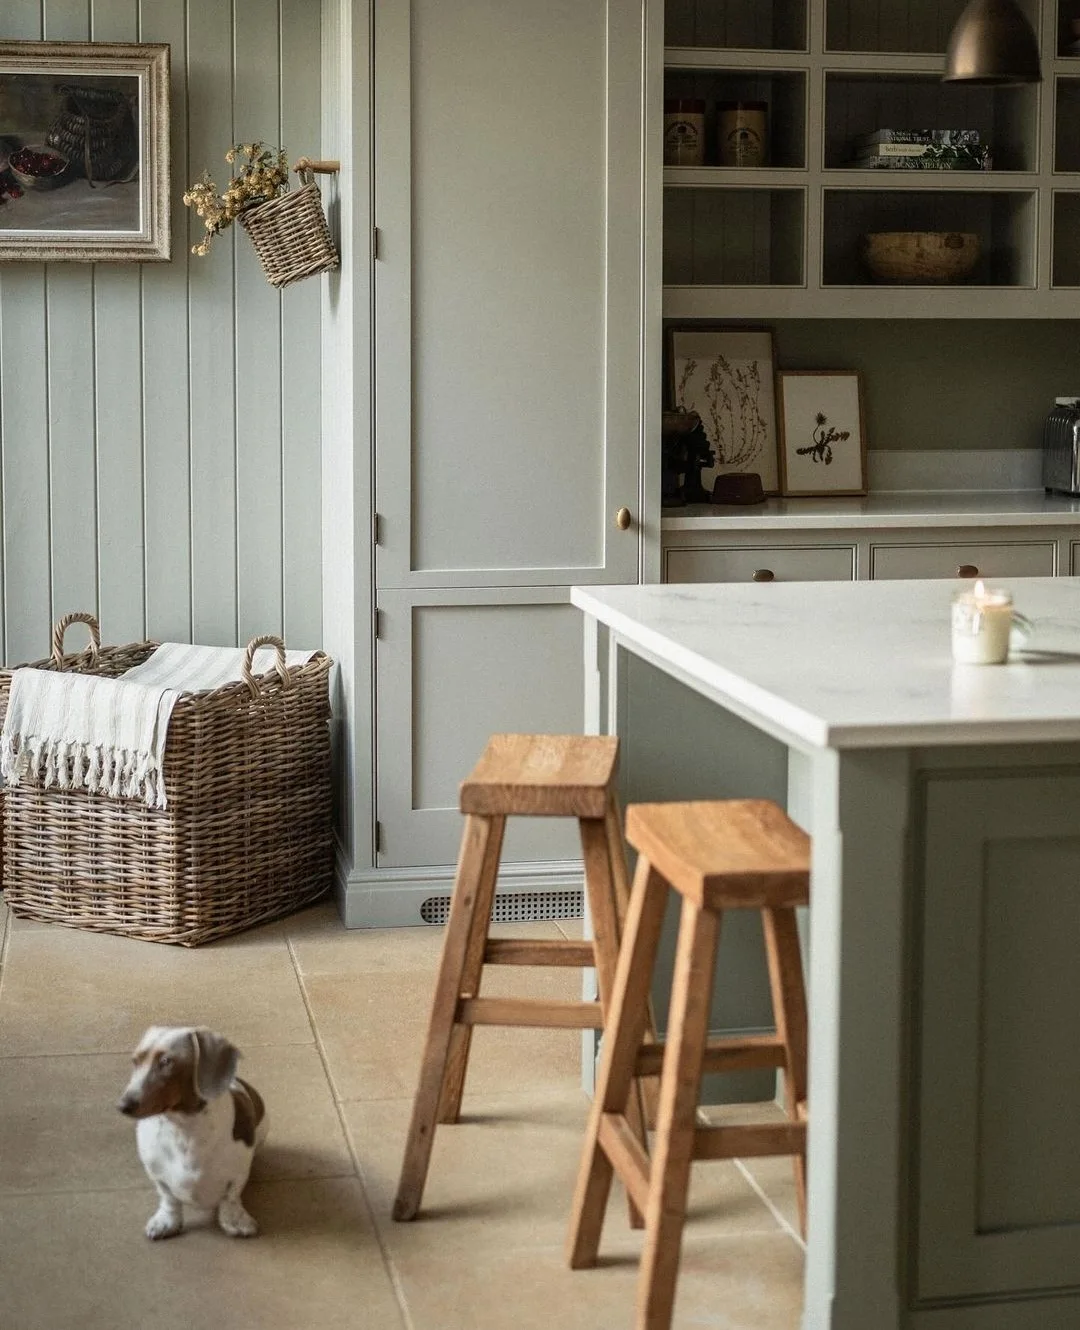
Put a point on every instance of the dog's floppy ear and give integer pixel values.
(215, 1063)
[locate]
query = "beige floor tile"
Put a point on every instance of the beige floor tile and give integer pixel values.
(324, 946)
(571, 928)
(59, 1127)
(372, 1027)
(733, 1283)
(775, 1176)
(506, 1173)
(82, 1263)
(67, 991)
(306, 1139)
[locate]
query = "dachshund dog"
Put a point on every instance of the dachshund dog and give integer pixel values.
(198, 1126)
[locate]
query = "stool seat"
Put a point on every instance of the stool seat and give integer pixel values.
(739, 853)
(542, 775)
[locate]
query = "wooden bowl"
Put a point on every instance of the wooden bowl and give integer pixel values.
(921, 256)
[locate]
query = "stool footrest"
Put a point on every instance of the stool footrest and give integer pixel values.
(746, 1053)
(529, 1012)
(627, 1157)
(527, 951)
(773, 1138)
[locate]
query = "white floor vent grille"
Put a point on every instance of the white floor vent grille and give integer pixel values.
(515, 907)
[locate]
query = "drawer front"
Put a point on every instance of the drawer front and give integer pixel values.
(1034, 558)
(809, 563)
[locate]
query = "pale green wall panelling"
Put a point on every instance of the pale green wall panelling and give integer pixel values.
(160, 423)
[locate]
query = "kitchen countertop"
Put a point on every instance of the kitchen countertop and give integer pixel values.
(889, 510)
(857, 664)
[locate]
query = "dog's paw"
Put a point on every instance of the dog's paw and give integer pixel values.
(237, 1223)
(164, 1224)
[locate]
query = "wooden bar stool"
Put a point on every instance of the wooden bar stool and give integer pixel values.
(735, 855)
(532, 775)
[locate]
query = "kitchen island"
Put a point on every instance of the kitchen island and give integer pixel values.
(943, 802)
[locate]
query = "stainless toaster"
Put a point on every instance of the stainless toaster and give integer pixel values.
(1061, 447)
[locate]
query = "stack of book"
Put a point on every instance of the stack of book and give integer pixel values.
(921, 150)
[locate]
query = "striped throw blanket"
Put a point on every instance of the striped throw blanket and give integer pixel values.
(80, 731)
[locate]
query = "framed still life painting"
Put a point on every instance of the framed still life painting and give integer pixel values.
(84, 151)
(726, 376)
(822, 439)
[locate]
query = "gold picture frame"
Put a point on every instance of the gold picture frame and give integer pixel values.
(822, 432)
(84, 153)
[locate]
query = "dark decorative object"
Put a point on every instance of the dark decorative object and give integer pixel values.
(96, 133)
(738, 488)
(684, 454)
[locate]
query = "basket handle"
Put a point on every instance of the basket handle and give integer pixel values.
(279, 663)
(80, 616)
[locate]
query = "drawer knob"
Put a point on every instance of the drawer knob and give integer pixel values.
(622, 519)
(764, 575)
(967, 570)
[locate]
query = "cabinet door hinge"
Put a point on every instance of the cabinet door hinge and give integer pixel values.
(378, 837)
(376, 524)
(374, 242)
(376, 623)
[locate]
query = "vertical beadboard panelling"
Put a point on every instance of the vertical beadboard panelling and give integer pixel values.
(300, 359)
(212, 320)
(167, 490)
(118, 399)
(256, 115)
(118, 402)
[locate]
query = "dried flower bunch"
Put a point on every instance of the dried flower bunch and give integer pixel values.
(263, 175)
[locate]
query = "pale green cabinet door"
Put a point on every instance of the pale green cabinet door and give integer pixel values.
(454, 667)
(996, 1180)
(509, 293)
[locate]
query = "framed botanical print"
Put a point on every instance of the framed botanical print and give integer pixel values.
(84, 151)
(726, 376)
(822, 438)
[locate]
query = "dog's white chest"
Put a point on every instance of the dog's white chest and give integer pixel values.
(196, 1159)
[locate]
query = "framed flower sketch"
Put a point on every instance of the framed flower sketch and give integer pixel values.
(84, 151)
(822, 439)
(726, 376)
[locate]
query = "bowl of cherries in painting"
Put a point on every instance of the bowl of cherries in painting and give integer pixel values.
(36, 166)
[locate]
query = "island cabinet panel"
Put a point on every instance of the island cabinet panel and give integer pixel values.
(761, 563)
(1022, 558)
(997, 1180)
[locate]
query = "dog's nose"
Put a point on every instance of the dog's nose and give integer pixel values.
(126, 1104)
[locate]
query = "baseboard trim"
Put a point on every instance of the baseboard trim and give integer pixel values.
(392, 897)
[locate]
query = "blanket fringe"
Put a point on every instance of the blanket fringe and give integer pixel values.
(119, 773)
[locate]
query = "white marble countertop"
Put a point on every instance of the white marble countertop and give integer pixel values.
(882, 511)
(857, 664)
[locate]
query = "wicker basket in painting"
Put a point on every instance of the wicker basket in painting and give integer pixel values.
(290, 234)
(246, 836)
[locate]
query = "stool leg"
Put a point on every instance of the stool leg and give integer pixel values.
(680, 1085)
(648, 1086)
(789, 1010)
(607, 927)
(457, 1061)
(624, 1028)
(481, 837)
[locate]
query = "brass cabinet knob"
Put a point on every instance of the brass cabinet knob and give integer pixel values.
(764, 575)
(967, 570)
(622, 519)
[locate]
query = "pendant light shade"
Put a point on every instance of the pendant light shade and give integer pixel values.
(993, 42)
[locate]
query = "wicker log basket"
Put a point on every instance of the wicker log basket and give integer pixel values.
(246, 836)
(290, 234)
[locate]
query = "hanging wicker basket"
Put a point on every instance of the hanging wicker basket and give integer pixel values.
(290, 234)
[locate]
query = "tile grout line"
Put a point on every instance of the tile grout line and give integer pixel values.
(774, 1211)
(388, 1264)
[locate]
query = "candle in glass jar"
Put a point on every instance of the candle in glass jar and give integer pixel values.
(981, 623)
